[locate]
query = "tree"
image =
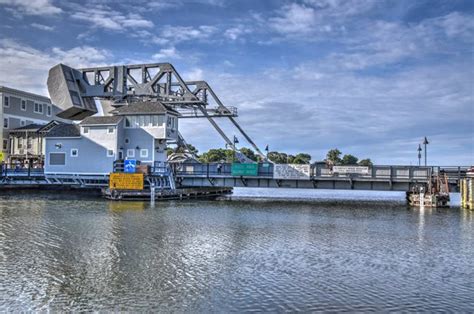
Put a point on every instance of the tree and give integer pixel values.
(349, 159)
(191, 149)
(217, 155)
(249, 153)
(366, 162)
(278, 158)
(333, 156)
(301, 159)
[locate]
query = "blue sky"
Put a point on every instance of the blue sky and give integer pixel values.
(371, 78)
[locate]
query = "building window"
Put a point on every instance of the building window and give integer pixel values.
(29, 143)
(48, 110)
(110, 153)
(144, 153)
(127, 140)
(5, 123)
(19, 144)
(110, 130)
(5, 144)
(57, 159)
(38, 108)
(144, 121)
(23, 105)
(85, 130)
(74, 152)
(6, 102)
(130, 153)
(22, 122)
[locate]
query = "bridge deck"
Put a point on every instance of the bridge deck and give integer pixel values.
(396, 178)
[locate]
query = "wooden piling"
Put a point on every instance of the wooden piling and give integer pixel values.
(467, 193)
(471, 193)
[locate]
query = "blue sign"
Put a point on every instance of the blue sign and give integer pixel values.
(130, 165)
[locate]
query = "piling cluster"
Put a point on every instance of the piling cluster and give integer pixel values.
(467, 193)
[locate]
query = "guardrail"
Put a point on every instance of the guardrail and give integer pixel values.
(321, 171)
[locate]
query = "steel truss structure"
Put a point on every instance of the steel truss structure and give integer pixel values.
(74, 90)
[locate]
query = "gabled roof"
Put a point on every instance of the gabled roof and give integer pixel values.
(107, 120)
(49, 126)
(64, 130)
(144, 107)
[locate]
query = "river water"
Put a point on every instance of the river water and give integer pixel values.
(333, 251)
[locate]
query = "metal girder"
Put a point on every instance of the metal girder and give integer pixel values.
(204, 88)
(248, 138)
(73, 90)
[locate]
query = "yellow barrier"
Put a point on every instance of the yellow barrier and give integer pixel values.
(126, 181)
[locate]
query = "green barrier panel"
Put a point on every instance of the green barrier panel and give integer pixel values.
(244, 169)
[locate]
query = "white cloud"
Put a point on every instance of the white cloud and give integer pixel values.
(165, 54)
(32, 7)
(101, 16)
(195, 74)
(341, 8)
(42, 27)
(177, 34)
(26, 68)
(294, 18)
(236, 32)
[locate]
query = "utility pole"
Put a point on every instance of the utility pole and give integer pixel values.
(425, 142)
(419, 155)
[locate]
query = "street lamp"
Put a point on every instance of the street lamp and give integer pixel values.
(425, 142)
(233, 147)
(419, 155)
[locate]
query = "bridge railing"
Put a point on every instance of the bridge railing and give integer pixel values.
(265, 170)
(19, 170)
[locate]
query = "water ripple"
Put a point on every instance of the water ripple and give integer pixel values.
(245, 256)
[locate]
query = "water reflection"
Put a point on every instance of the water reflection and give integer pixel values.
(234, 256)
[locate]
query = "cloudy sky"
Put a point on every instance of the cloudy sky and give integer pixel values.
(369, 77)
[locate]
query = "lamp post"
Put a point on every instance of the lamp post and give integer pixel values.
(233, 147)
(425, 142)
(419, 155)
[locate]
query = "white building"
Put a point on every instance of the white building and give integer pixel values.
(138, 131)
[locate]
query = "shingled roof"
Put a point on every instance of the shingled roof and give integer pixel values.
(143, 107)
(64, 130)
(107, 120)
(29, 127)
